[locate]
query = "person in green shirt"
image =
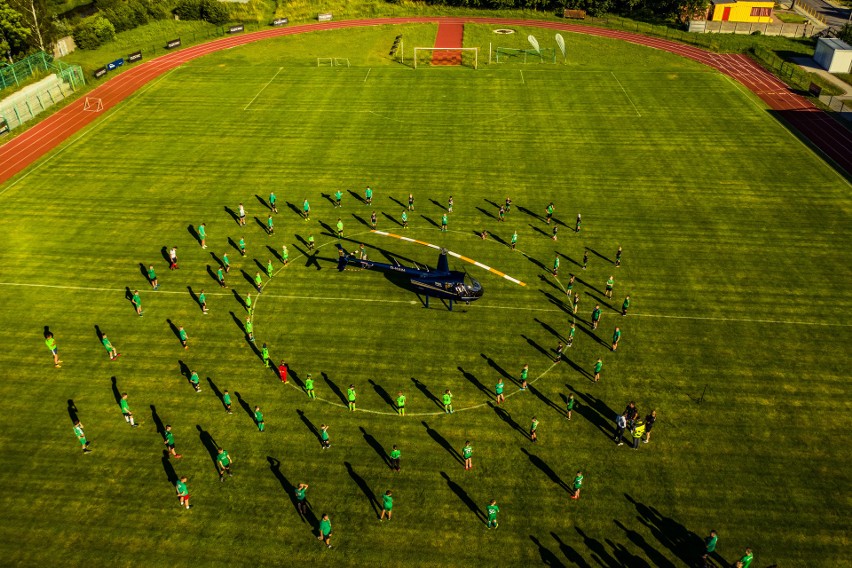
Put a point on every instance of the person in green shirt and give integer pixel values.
(182, 492)
(444, 223)
(51, 345)
(338, 196)
(306, 210)
(492, 509)
(411, 202)
(618, 257)
(625, 305)
(513, 243)
(746, 560)
(325, 530)
(220, 276)
(301, 502)
(368, 195)
(569, 406)
(125, 410)
(249, 327)
(525, 373)
(169, 441)
(616, 337)
(111, 351)
(395, 454)
(596, 316)
(258, 282)
(183, 337)
(404, 219)
(576, 302)
(709, 547)
(264, 353)
(362, 252)
(577, 485)
(400, 403)
(81, 437)
(242, 245)
(226, 400)
(571, 332)
(467, 454)
(598, 367)
(247, 302)
(152, 278)
(556, 266)
(350, 394)
(448, 401)
(309, 387)
(559, 348)
(193, 378)
(534, 430)
(258, 419)
(270, 226)
(609, 285)
(311, 241)
(273, 202)
(324, 439)
(339, 228)
(569, 289)
(223, 462)
(202, 301)
(498, 391)
(501, 214)
(285, 255)
(202, 235)
(226, 262)
(387, 505)
(136, 300)
(549, 212)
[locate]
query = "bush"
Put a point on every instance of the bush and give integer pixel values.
(208, 10)
(92, 32)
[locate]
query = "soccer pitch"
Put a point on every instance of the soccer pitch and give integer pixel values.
(734, 259)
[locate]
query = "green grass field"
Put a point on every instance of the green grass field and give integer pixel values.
(734, 258)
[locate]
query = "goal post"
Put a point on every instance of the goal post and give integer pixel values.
(466, 56)
(93, 104)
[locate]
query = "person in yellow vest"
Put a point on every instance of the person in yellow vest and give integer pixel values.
(638, 432)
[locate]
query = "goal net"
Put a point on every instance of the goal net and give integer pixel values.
(443, 56)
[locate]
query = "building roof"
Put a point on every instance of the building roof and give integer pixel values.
(835, 44)
(714, 2)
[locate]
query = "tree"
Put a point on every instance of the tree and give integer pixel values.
(36, 17)
(13, 32)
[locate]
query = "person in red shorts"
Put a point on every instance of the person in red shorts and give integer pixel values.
(282, 372)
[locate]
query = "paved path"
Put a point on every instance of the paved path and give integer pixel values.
(834, 16)
(821, 130)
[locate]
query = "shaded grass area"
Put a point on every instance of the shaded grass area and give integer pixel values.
(735, 271)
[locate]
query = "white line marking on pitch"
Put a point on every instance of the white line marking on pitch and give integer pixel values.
(625, 93)
(368, 74)
(263, 89)
(522, 77)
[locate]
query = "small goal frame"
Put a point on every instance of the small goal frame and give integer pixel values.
(93, 104)
(475, 51)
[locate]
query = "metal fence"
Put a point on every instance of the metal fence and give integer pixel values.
(786, 30)
(33, 99)
(838, 105)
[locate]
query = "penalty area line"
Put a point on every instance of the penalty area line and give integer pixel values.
(263, 88)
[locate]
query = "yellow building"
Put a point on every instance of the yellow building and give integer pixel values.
(755, 11)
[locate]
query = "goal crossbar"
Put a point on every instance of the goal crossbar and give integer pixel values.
(475, 51)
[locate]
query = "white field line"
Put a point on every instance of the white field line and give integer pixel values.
(368, 74)
(625, 94)
(263, 88)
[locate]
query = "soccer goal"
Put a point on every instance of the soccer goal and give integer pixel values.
(440, 56)
(333, 62)
(93, 104)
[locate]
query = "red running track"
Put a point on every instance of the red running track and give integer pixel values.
(821, 130)
(449, 35)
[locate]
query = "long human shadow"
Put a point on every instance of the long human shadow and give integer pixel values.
(546, 470)
(144, 270)
(431, 221)
(383, 393)
(500, 370)
(506, 417)
(464, 497)
(548, 558)
(263, 202)
(539, 230)
(158, 422)
(486, 213)
(193, 233)
(599, 255)
(217, 260)
(246, 407)
(233, 214)
(295, 210)
(164, 252)
(475, 382)
(538, 347)
(260, 266)
(438, 205)
(587, 285)
(248, 277)
(441, 441)
(550, 330)
(327, 228)
(174, 328)
(376, 445)
(310, 257)
(209, 444)
(569, 259)
(557, 302)
(572, 555)
(168, 468)
(184, 369)
(335, 389)
(627, 558)
(72, 411)
(539, 395)
(239, 298)
(392, 219)
(670, 533)
(361, 220)
(128, 295)
(583, 372)
(526, 211)
(357, 197)
(194, 297)
(274, 254)
(592, 334)
(309, 425)
(595, 411)
(537, 263)
(546, 279)
(602, 302)
(217, 392)
(212, 274)
(309, 517)
(398, 202)
(115, 393)
(364, 487)
(234, 245)
(498, 239)
(294, 376)
(604, 558)
(427, 393)
(656, 557)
